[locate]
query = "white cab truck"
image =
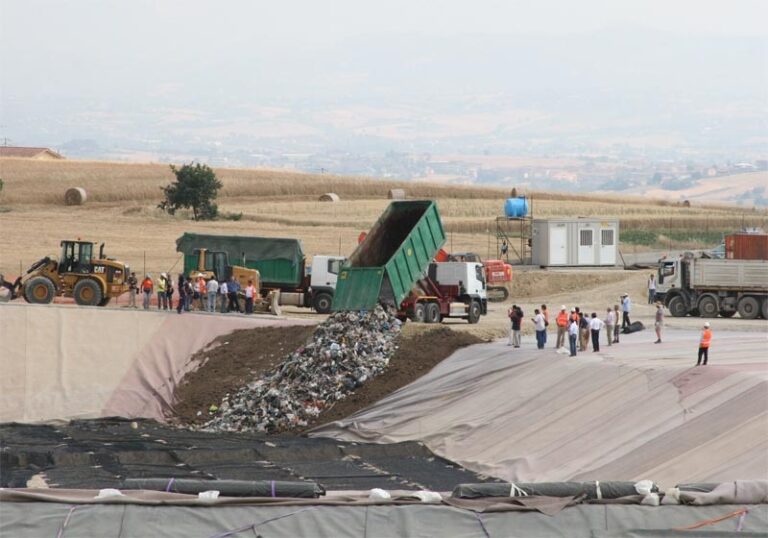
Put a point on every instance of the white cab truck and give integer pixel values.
(450, 290)
(318, 286)
(711, 287)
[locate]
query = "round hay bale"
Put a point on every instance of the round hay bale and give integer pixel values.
(513, 194)
(329, 197)
(75, 196)
(396, 194)
(686, 203)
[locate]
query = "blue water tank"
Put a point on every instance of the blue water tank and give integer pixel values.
(515, 208)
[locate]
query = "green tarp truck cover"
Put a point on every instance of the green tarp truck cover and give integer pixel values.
(279, 261)
(392, 258)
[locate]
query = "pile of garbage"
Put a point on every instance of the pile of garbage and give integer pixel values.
(344, 352)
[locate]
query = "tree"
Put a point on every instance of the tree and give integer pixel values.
(196, 187)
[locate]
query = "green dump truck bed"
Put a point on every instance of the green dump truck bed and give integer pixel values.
(392, 258)
(280, 261)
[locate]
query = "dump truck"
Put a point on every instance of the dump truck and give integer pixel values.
(280, 262)
(92, 280)
(393, 265)
(711, 287)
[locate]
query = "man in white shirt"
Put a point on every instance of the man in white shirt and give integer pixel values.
(211, 289)
(541, 327)
(595, 324)
(651, 289)
(626, 307)
(224, 292)
(250, 293)
(573, 335)
(610, 324)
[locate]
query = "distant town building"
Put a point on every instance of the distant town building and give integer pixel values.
(40, 154)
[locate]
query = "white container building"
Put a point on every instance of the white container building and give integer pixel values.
(577, 241)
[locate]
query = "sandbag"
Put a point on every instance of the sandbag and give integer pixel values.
(229, 488)
(633, 327)
(592, 490)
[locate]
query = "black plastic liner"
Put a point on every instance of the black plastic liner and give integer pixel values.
(103, 453)
(229, 488)
(608, 490)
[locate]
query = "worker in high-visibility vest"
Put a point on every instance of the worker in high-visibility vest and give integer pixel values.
(706, 339)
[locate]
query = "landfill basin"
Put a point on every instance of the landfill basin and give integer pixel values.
(392, 258)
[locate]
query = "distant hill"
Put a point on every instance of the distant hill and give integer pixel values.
(749, 189)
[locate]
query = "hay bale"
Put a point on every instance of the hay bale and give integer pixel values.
(513, 194)
(329, 197)
(686, 203)
(396, 194)
(75, 196)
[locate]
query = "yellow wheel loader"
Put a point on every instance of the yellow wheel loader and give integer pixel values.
(90, 280)
(216, 264)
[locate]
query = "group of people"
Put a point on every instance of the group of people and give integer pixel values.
(578, 327)
(204, 294)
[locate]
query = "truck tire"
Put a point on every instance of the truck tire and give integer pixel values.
(39, 290)
(677, 307)
(748, 308)
(727, 313)
(322, 303)
(419, 313)
(432, 313)
(87, 292)
(708, 307)
(474, 312)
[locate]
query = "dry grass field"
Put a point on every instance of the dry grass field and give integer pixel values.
(122, 210)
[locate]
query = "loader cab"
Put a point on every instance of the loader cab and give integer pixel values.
(76, 257)
(212, 262)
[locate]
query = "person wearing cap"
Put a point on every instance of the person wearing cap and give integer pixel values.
(706, 339)
(562, 326)
(659, 322)
(573, 335)
(626, 307)
(162, 298)
(610, 323)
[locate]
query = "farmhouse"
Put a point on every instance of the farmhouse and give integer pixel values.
(40, 154)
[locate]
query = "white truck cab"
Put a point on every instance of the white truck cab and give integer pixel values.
(470, 276)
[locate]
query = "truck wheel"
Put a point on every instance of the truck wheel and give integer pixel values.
(87, 292)
(322, 303)
(727, 313)
(474, 312)
(677, 307)
(39, 290)
(419, 313)
(708, 307)
(748, 308)
(432, 313)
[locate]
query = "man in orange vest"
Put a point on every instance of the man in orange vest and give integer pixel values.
(706, 338)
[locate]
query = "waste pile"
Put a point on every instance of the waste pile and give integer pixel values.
(344, 352)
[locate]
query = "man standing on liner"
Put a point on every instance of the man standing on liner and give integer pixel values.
(704, 341)
(562, 326)
(626, 307)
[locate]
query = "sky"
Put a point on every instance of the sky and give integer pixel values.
(131, 56)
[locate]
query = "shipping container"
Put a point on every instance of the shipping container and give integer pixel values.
(280, 261)
(746, 246)
(575, 242)
(393, 256)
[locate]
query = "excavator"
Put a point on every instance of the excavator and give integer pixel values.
(91, 280)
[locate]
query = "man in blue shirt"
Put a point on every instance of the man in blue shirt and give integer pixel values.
(233, 289)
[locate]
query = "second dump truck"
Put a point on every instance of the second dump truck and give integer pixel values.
(711, 287)
(394, 265)
(280, 262)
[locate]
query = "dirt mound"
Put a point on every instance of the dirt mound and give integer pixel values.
(230, 362)
(543, 283)
(233, 360)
